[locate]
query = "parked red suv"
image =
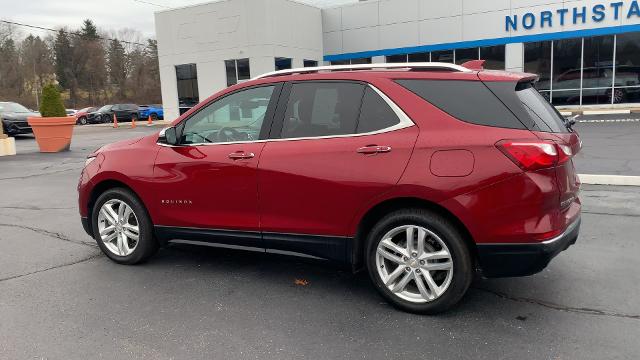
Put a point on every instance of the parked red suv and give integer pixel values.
(419, 173)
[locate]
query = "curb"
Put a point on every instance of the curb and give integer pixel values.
(621, 180)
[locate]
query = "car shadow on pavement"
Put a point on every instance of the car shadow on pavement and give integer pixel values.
(295, 276)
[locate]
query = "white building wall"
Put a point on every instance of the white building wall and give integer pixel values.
(210, 33)
(374, 25)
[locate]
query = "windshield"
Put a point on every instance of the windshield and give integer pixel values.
(105, 108)
(13, 107)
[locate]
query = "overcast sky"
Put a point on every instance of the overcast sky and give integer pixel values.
(107, 14)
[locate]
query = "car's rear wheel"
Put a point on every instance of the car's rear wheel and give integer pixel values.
(418, 261)
(154, 117)
(122, 227)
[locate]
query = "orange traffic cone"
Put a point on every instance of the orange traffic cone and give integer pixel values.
(115, 121)
(149, 121)
(133, 122)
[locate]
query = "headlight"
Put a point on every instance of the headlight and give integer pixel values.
(89, 160)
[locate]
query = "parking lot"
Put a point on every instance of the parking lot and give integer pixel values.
(61, 299)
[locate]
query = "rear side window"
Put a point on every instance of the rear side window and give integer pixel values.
(375, 113)
(322, 109)
(543, 114)
(469, 101)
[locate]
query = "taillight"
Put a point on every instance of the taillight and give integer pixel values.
(535, 154)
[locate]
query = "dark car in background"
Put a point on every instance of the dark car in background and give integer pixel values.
(154, 110)
(123, 112)
(81, 115)
(13, 117)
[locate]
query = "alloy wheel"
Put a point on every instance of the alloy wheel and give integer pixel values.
(118, 227)
(414, 263)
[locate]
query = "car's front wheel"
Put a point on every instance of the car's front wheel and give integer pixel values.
(82, 120)
(122, 227)
(418, 261)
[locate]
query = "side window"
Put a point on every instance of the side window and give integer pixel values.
(469, 101)
(236, 117)
(375, 113)
(115, 108)
(322, 109)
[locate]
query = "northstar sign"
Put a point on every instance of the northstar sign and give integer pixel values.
(575, 15)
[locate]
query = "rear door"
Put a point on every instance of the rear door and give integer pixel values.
(335, 147)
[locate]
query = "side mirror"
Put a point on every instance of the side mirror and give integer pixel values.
(168, 136)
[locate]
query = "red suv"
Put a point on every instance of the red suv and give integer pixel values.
(419, 173)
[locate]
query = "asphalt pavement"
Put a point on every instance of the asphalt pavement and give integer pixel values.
(61, 299)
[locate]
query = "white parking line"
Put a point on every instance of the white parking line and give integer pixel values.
(624, 180)
(608, 121)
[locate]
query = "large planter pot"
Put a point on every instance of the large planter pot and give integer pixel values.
(53, 134)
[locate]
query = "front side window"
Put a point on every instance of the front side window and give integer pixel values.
(236, 117)
(322, 109)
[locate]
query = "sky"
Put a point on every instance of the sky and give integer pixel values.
(107, 15)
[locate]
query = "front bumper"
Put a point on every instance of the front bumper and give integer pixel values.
(505, 260)
(16, 127)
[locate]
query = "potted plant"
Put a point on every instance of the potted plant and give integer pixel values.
(54, 129)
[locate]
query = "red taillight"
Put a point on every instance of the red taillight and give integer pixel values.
(534, 154)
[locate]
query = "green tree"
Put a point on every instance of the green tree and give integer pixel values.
(51, 105)
(89, 30)
(64, 60)
(117, 66)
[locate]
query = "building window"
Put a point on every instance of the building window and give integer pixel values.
(187, 81)
(283, 63)
(442, 56)
(361, 61)
(352, 61)
(627, 74)
(237, 71)
(597, 70)
(565, 84)
(309, 63)
(396, 58)
(464, 55)
(493, 57)
(537, 60)
(419, 57)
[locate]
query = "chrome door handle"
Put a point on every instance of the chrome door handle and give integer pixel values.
(374, 149)
(239, 155)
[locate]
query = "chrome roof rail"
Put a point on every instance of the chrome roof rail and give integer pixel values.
(415, 65)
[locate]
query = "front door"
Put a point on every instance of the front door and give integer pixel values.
(207, 185)
(341, 145)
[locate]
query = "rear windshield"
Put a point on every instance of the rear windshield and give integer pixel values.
(543, 114)
(469, 101)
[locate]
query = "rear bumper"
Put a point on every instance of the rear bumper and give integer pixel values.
(504, 260)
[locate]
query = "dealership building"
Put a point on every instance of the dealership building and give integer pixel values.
(586, 52)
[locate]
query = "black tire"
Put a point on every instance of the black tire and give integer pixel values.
(154, 117)
(134, 117)
(147, 245)
(451, 236)
(82, 121)
(107, 119)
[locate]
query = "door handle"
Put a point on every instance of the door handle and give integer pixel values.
(239, 155)
(374, 149)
